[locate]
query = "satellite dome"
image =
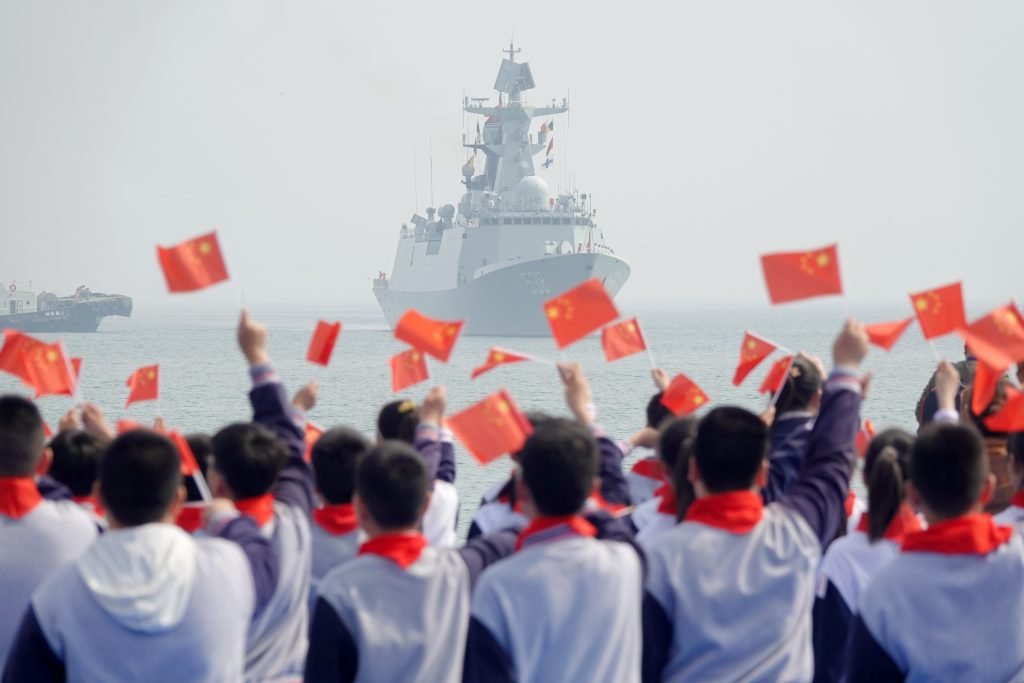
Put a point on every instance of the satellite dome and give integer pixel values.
(533, 193)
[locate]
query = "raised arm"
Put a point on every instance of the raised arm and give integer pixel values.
(221, 519)
(432, 440)
(272, 409)
(824, 480)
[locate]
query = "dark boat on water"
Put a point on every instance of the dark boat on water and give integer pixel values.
(46, 312)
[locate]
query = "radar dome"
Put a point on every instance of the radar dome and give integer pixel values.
(533, 193)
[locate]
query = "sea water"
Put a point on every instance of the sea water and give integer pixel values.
(204, 382)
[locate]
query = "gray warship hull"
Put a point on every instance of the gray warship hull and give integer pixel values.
(507, 301)
(69, 316)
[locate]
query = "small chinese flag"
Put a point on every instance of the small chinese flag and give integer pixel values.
(48, 370)
(193, 265)
(321, 346)
(776, 377)
(997, 338)
(11, 355)
(491, 428)
(683, 396)
(1011, 417)
(498, 357)
(622, 339)
(940, 311)
(189, 466)
(864, 437)
(885, 335)
(190, 518)
(578, 312)
(313, 434)
(408, 368)
(434, 337)
(796, 275)
(143, 385)
(752, 352)
(986, 379)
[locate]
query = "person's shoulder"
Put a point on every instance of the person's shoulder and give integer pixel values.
(68, 514)
(218, 550)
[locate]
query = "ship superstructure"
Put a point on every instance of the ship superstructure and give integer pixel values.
(510, 244)
(25, 310)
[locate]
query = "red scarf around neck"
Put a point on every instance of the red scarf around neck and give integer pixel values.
(403, 548)
(668, 504)
(336, 519)
(260, 508)
(905, 522)
(549, 528)
(737, 512)
(18, 496)
(968, 535)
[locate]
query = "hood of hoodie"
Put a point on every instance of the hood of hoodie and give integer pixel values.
(142, 576)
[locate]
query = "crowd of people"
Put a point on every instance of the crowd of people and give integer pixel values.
(736, 552)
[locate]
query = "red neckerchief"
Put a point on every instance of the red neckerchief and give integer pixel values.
(1018, 499)
(190, 518)
(91, 502)
(550, 528)
(650, 468)
(403, 548)
(18, 496)
(737, 511)
(260, 508)
(604, 504)
(905, 522)
(967, 535)
(336, 519)
(851, 500)
(668, 504)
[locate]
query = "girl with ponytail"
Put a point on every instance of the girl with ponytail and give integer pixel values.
(852, 561)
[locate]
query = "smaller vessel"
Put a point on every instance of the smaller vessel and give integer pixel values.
(46, 312)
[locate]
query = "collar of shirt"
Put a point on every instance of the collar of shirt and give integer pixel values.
(260, 508)
(336, 519)
(668, 504)
(402, 548)
(18, 496)
(794, 414)
(737, 512)
(905, 522)
(650, 468)
(967, 535)
(543, 529)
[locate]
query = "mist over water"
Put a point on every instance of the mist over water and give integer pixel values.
(204, 379)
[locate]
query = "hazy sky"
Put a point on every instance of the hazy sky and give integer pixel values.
(708, 132)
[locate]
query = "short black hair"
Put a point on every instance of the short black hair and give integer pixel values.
(201, 446)
(657, 413)
(399, 420)
(140, 474)
(731, 445)
(948, 467)
(334, 463)
(803, 382)
(392, 481)
(22, 436)
(76, 460)
(559, 464)
(249, 457)
(676, 437)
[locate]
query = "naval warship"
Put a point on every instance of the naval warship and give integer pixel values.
(46, 312)
(510, 244)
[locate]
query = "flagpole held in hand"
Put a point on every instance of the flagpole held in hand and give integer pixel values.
(778, 392)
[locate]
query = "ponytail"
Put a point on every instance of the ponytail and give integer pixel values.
(885, 492)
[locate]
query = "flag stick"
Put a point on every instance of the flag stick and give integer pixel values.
(780, 347)
(203, 488)
(647, 348)
(75, 396)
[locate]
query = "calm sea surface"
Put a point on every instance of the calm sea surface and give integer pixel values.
(204, 380)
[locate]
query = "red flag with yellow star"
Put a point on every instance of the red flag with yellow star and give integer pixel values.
(497, 357)
(189, 464)
(321, 346)
(796, 275)
(776, 377)
(578, 312)
(491, 428)
(1011, 417)
(986, 380)
(997, 338)
(193, 265)
(683, 396)
(11, 358)
(622, 339)
(48, 370)
(940, 310)
(752, 352)
(143, 385)
(434, 337)
(885, 335)
(408, 368)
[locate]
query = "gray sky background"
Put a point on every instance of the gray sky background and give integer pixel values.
(708, 133)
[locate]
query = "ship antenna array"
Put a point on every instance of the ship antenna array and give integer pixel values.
(431, 172)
